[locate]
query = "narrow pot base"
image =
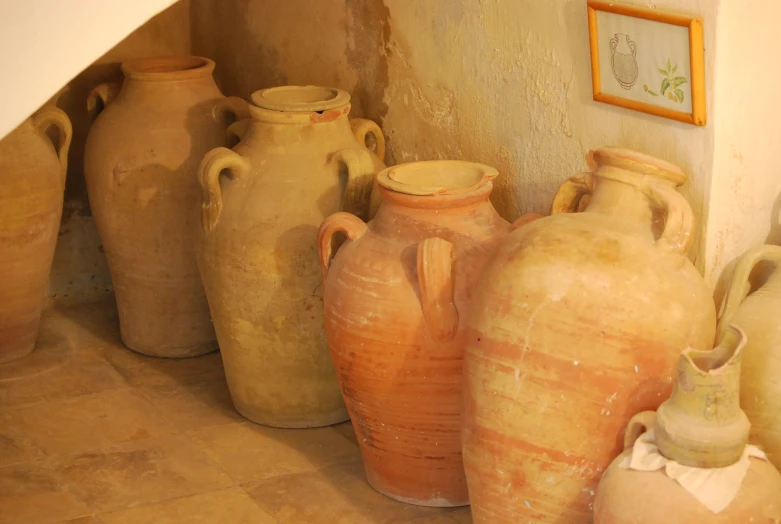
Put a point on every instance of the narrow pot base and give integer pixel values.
(17, 354)
(182, 352)
(327, 419)
(430, 503)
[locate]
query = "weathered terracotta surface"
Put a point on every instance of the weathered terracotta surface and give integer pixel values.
(141, 163)
(32, 181)
(297, 162)
(758, 316)
(576, 325)
(394, 295)
(700, 425)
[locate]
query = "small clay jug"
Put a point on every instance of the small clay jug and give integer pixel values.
(32, 183)
(394, 296)
(755, 314)
(140, 163)
(576, 324)
(700, 425)
(299, 159)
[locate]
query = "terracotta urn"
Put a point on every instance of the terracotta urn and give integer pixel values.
(701, 426)
(141, 163)
(32, 183)
(755, 314)
(298, 161)
(576, 325)
(395, 295)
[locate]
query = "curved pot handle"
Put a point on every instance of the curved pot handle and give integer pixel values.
(567, 197)
(639, 424)
(739, 285)
(230, 105)
(237, 131)
(679, 225)
(212, 166)
(525, 219)
(56, 117)
(362, 127)
(360, 179)
(435, 277)
(349, 224)
(101, 96)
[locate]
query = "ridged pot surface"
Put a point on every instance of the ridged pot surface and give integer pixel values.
(394, 295)
(298, 161)
(576, 325)
(32, 183)
(141, 163)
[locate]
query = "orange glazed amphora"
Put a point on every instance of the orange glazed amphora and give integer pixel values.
(32, 182)
(141, 165)
(394, 296)
(299, 159)
(576, 325)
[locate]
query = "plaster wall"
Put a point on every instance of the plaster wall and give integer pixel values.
(745, 199)
(504, 83)
(44, 44)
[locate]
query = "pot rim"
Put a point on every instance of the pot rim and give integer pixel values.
(168, 68)
(638, 163)
(300, 99)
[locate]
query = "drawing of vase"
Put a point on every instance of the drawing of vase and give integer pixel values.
(624, 60)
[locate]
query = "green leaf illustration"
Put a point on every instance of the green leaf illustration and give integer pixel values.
(652, 93)
(663, 71)
(679, 80)
(665, 85)
(679, 94)
(668, 64)
(675, 67)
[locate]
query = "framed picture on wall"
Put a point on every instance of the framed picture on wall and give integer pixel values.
(648, 60)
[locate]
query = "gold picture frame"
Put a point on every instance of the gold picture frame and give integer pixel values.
(662, 88)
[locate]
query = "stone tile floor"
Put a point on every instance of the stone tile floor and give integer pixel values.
(91, 432)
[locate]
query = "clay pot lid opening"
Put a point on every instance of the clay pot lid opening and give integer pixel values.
(168, 68)
(436, 177)
(638, 162)
(303, 99)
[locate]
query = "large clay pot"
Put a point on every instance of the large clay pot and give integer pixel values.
(141, 164)
(757, 315)
(393, 297)
(298, 161)
(701, 425)
(575, 326)
(32, 182)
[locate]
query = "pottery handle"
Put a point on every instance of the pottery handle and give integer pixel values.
(360, 178)
(101, 96)
(57, 117)
(212, 166)
(639, 424)
(230, 109)
(362, 127)
(567, 197)
(740, 285)
(347, 223)
(435, 277)
(525, 219)
(633, 47)
(237, 131)
(613, 44)
(679, 224)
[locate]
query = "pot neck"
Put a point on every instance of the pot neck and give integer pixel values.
(619, 193)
